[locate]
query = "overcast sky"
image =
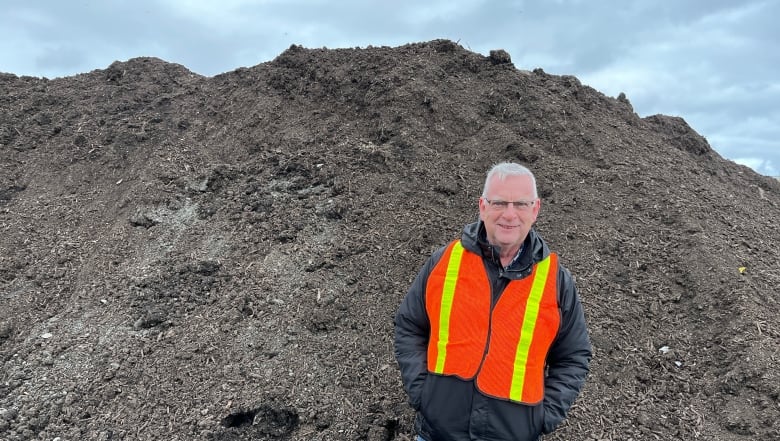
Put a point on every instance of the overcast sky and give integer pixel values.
(715, 63)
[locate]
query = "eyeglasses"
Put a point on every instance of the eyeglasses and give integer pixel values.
(503, 205)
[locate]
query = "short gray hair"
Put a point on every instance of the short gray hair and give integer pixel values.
(506, 169)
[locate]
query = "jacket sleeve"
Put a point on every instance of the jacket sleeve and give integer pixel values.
(569, 356)
(412, 330)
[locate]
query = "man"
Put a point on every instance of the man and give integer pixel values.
(491, 337)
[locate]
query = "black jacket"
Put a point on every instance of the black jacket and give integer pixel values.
(451, 409)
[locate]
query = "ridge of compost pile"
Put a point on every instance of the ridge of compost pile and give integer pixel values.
(220, 258)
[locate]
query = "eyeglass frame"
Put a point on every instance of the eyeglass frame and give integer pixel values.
(500, 205)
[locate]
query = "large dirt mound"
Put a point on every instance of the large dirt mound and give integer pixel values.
(184, 257)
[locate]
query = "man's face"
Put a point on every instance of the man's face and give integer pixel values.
(507, 227)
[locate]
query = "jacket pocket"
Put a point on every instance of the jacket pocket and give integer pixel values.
(416, 400)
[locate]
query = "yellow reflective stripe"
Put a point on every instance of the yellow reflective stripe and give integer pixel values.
(527, 331)
(447, 296)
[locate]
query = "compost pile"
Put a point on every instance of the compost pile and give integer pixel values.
(220, 258)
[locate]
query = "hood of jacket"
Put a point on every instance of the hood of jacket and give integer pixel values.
(474, 238)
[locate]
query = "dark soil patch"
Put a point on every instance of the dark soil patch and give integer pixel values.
(220, 258)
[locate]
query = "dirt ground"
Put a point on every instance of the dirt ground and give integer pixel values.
(220, 258)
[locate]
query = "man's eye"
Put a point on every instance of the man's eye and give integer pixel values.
(501, 204)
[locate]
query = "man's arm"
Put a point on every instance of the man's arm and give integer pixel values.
(412, 331)
(569, 356)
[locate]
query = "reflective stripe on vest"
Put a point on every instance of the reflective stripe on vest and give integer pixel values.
(521, 326)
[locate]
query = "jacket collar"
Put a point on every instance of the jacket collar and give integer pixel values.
(474, 238)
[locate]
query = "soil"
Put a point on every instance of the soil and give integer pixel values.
(220, 258)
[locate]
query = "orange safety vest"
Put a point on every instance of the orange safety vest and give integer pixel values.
(504, 347)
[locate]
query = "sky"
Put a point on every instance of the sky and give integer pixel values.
(715, 63)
